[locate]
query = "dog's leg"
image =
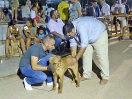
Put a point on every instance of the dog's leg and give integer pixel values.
(73, 80)
(54, 82)
(75, 71)
(61, 84)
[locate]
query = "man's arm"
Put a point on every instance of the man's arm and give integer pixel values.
(80, 53)
(57, 34)
(35, 66)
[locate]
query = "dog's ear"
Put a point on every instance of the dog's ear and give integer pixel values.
(51, 59)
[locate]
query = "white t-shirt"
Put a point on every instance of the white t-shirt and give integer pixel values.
(105, 9)
(115, 9)
(123, 8)
(54, 26)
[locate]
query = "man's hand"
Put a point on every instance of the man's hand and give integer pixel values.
(63, 37)
(51, 68)
(73, 61)
(14, 39)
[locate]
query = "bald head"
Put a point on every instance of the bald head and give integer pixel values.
(48, 38)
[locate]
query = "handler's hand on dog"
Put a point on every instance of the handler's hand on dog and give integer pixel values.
(73, 61)
(51, 68)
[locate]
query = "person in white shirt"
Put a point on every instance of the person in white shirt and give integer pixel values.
(122, 10)
(26, 10)
(90, 34)
(55, 26)
(105, 11)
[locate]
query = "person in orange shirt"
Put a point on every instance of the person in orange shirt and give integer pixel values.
(63, 10)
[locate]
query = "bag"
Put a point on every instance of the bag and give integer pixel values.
(62, 46)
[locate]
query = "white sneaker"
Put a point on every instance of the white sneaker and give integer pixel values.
(26, 85)
(51, 84)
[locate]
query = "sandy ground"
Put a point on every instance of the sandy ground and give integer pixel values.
(118, 87)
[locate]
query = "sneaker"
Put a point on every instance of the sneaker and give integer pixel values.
(51, 84)
(26, 85)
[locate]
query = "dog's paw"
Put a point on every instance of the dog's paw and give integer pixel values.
(59, 92)
(53, 89)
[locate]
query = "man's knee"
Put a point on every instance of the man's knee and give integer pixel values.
(41, 78)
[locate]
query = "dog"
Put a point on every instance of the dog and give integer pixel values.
(60, 66)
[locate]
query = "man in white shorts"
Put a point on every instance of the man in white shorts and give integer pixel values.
(122, 10)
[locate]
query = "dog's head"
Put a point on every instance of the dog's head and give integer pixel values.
(55, 61)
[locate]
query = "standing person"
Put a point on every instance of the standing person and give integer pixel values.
(63, 10)
(75, 10)
(90, 10)
(105, 12)
(122, 10)
(96, 8)
(34, 62)
(14, 4)
(90, 34)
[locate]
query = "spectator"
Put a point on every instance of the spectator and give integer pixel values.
(90, 34)
(105, 12)
(90, 10)
(55, 26)
(75, 10)
(48, 12)
(14, 33)
(96, 8)
(40, 10)
(30, 30)
(63, 10)
(127, 8)
(14, 4)
(114, 10)
(2, 4)
(41, 33)
(34, 13)
(26, 10)
(34, 63)
(122, 10)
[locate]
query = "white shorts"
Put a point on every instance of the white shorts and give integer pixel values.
(123, 19)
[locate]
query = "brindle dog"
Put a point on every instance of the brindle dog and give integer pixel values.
(60, 66)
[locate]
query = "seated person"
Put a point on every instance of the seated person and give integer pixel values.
(26, 11)
(55, 26)
(34, 13)
(41, 32)
(14, 33)
(40, 10)
(30, 30)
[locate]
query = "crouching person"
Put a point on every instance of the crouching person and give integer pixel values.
(34, 63)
